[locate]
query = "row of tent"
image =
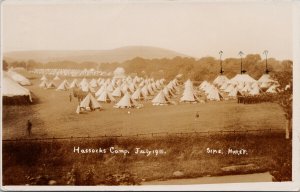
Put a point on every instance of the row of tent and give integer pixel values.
(91, 103)
(244, 80)
(141, 89)
(128, 89)
(241, 84)
(119, 72)
(134, 89)
(137, 86)
(163, 97)
(129, 92)
(71, 72)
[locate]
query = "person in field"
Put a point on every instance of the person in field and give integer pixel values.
(197, 116)
(29, 127)
(70, 96)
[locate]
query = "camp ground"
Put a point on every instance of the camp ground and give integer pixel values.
(101, 95)
(191, 117)
(73, 102)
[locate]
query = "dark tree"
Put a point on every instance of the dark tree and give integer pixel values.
(5, 66)
(285, 97)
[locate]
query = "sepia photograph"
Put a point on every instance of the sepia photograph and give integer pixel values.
(146, 93)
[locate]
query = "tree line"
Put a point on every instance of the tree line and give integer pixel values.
(205, 68)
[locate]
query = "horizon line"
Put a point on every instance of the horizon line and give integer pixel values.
(148, 46)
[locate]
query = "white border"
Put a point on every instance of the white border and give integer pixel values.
(1, 75)
(268, 186)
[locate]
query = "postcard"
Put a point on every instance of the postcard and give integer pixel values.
(150, 95)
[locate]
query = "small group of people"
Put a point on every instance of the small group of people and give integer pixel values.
(252, 99)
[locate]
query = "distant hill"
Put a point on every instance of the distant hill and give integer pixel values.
(99, 56)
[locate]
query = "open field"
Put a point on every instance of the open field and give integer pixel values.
(54, 116)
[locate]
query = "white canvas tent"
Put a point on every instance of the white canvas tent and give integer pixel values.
(90, 103)
(63, 86)
(43, 84)
(51, 85)
(106, 97)
(93, 83)
(168, 92)
(246, 88)
(102, 88)
(110, 87)
(241, 85)
(126, 102)
(173, 85)
(214, 95)
(74, 84)
(234, 92)
(161, 99)
(220, 80)
(84, 83)
(125, 88)
(229, 88)
(242, 78)
(265, 81)
(87, 88)
(265, 78)
(150, 90)
(117, 92)
(224, 86)
(208, 88)
(189, 95)
(145, 91)
(12, 90)
(138, 95)
(255, 90)
(18, 78)
(203, 84)
(188, 83)
(131, 87)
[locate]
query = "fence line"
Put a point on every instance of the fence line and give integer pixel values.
(155, 134)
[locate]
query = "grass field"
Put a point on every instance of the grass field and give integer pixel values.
(54, 116)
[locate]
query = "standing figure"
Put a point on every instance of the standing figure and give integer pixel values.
(197, 116)
(70, 96)
(29, 126)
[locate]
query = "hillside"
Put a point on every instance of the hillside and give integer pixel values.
(99, 56)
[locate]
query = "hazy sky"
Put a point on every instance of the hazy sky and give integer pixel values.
(193, 28)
